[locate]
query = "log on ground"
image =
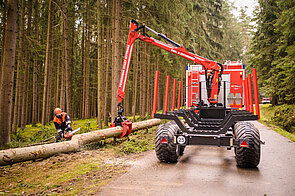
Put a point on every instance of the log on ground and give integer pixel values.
(16, 155)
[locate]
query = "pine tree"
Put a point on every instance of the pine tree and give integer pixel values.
(7, 77)
(45, 91)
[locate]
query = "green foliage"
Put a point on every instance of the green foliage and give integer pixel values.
(17, 137)
(273, 49)
(135, 146)
(267, 116)
(31, 134)
(284, 115)
(40, 135)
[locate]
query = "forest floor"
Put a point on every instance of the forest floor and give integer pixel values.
(79, 173)
(86, 171)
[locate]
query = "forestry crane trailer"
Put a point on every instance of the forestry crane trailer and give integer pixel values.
(210, 123)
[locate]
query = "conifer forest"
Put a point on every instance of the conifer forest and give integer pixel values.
(69, 54)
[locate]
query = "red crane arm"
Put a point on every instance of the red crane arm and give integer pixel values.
(177, 49)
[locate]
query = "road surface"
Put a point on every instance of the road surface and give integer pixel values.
(213, 171)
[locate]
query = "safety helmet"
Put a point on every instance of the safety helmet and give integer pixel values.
(57, 112)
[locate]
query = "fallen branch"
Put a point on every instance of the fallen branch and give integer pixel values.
(46, 141)
(16, 155)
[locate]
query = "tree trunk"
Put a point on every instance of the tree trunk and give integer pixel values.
(87, 68)
(103, 70)
(62, 83)
(4, 19)
(94, 96)
(83, 70)
(99, 68)
(6, 90)
(48, 101)
(20, 94)
(57, 79)
(27, 117)
(144, 81)
(24, 87)
(67, 66)
(46, 68)
(148, 96)
(35, 69)
(140, 65)
(17, 105)
(116, 58)
(126, 100)
(107, 71)
(135, 75)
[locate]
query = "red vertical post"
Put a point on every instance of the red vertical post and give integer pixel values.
(155, 92)
(167, 94)
(174, 92)
(179, 94)
(243, 96)
(189, 90)
(257, 111)
(250, 93)
(246, 94)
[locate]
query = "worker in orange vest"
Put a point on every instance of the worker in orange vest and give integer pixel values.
(62, 122)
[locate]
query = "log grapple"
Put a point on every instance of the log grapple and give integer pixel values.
(122, 121)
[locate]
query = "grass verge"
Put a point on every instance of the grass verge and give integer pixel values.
(267, 112)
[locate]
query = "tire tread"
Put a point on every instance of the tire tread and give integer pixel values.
(166, 152)
(247, 157)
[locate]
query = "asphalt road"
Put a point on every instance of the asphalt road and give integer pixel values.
(213, 171)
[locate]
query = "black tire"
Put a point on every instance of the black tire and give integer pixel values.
(167, 153)
(247, 157)
(181, 150)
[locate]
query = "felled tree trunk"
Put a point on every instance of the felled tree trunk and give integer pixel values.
(16, 155)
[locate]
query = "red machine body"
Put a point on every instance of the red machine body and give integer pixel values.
(233, 76)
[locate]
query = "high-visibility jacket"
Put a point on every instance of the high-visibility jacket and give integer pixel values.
(63, 122)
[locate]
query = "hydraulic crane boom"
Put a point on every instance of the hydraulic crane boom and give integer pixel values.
(216, 68)
(212, 81)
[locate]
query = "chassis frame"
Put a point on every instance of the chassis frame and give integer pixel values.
(206, 131)
(207, 125)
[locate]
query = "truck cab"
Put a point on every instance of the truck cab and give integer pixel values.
(231, 90)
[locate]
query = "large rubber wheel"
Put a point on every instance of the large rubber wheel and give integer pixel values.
(167, 152)
(247, 157)
(181, 150)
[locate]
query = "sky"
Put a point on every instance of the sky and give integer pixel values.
(242, 3)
